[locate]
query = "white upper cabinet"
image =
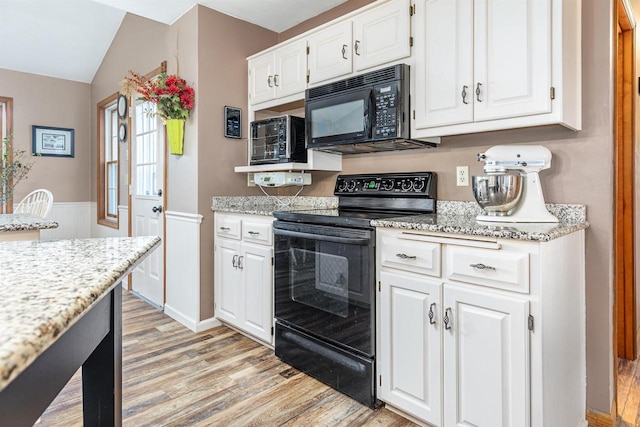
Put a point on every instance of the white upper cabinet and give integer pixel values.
(278, 73)
(512, 58)
(382, 35)
(444, 76)
(330, 53)
(483, 65)
(378, 35)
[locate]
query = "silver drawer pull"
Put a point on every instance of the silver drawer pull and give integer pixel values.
(405, 256)
(482, 267)
(447, 318)
(431, 314)
(253, 233)
(225, 228)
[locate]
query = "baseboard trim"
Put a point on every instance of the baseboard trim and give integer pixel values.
(601, 419)
(194, 325)
(209, 323)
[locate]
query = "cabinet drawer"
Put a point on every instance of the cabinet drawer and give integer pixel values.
(258, 232)
(410, 255)
(227, 226)
(499, 269)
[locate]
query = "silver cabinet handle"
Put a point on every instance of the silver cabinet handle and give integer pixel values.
(431, 314)
(464, 94)
(482, 267)
(224, 229)
(405, 256)
(269, 80)
(447, 318)
(356, 47)
(344, 51)
(234, 261)
(275, 80)
(253, 233)
(478, 92)
(240, 266)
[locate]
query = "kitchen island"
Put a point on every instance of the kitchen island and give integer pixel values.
(61, 309)
(23, 226)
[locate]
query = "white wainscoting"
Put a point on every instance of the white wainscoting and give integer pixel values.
(182, 268)
(73, 218)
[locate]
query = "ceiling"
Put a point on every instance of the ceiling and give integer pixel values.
(68, 38)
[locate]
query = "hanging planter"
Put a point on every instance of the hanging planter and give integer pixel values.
(175, 135)
(174, 100)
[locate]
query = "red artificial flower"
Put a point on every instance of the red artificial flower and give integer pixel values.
(173, 89)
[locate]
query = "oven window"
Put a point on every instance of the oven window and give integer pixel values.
(338, 119)
(320, 279)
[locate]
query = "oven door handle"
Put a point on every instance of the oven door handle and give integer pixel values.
(319, 237)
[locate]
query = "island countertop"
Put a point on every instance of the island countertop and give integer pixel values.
(48, 285)
(25, 222)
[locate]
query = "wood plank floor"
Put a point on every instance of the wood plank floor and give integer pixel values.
(628, 393)
(174, 377)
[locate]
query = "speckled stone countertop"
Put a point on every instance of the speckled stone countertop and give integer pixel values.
(263, 205)
(46, 286)
(460, 218)
(25, 222)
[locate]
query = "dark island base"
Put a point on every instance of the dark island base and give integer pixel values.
(93, 342)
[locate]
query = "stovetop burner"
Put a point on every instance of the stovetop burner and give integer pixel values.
(364, 197)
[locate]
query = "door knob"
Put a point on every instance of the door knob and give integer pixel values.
(157, 209)
(159, 192)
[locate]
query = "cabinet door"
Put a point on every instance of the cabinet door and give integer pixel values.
(512, 58)
(257, 271)
(486, 359)
(444, 63)
(330, 52)
(382, 34)
(227, 289)
(410, 359)
(291, 69)
(261, 70)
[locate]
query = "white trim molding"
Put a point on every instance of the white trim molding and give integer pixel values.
(182, 266)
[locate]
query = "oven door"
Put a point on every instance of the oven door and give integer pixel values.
(340, 118)
(324, 283)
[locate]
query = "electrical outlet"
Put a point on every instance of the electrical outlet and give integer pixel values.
(462, 176)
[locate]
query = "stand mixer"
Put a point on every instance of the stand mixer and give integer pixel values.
(527, 160)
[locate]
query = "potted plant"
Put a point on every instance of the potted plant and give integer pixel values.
(173, 97)
(14, 167)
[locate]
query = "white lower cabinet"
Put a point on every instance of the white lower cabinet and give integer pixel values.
(494, 338)
(243, 273)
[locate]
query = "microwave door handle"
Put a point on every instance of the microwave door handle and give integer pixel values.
(322, 238)
(369, 114)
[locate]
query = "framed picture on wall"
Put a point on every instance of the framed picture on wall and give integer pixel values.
(51, 141)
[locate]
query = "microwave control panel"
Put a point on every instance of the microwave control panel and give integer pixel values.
(386, 120)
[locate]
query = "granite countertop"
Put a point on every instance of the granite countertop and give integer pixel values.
(460, 218)
(48, 285)
(263, 205)
(453, 217)
(25, 222)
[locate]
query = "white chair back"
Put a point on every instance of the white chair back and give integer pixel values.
(38, 202)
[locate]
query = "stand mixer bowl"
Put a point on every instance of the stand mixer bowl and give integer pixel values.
(497, 195)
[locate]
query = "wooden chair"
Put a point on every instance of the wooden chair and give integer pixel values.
(38, 202)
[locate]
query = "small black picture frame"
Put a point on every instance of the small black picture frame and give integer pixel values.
(122, 132)
(52, 141)
(232, 122)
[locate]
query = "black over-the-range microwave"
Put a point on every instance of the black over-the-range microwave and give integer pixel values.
(364, 113)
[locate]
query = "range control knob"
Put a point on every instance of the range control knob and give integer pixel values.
(387, 184)
(418, 185)
(351, 185)
(406, 185)
(342, 185)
